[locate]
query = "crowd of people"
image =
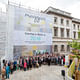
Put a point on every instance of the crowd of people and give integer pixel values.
(29, 62)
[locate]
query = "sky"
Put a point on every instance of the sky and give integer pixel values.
(71, 6)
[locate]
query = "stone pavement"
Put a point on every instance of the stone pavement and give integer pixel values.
(42, 73)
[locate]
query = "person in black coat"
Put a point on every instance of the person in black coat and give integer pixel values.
(39, 61)
(49, 60)
(30, 63)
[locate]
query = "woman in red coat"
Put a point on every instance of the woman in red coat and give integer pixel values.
(64, 60)
(25, 65)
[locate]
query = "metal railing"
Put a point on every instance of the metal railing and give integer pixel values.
(70, 71)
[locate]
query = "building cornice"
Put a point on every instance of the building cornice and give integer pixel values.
(57, 12)
(61, 38)
(76, 20)
(52, 11)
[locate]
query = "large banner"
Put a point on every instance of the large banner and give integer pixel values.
(32, 28)
(32, 38)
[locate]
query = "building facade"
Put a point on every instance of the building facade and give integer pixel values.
(3, 33)
(20, 21)
(25, 32)
(64, 30)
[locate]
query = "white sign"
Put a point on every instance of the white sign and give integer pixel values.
(29, 20)
(32, 38)
(67, 60)
(32, 28)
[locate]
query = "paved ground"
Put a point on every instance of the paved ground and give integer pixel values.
(42, 73)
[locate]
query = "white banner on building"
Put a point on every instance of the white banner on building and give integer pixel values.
(32, 28)
(32, 38)
(28, 20)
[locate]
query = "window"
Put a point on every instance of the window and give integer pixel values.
(62, 32)
(68, 33)
(62, 47)
(55, 19)
(55, 31)
(68, 48)
(74, 26)
(74, 33)
(78, 27)
(67, 22)
(55, 48)
(62, 21)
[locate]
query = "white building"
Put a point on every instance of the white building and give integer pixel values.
(55, 28)
(65, 29)
(75, 28)
(3, 33)
(24, 32)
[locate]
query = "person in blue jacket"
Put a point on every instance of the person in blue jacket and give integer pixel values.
(7, 71)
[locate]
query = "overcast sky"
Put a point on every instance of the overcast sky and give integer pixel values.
(72, 6)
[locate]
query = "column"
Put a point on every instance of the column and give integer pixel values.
(76, 35)
(65, 36)
(59, 32)
(59, 49)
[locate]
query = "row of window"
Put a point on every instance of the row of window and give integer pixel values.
(67, 23)
(74, 26)
(61, 21)
(62, 48)
(61, 32)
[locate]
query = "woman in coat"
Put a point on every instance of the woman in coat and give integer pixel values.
(25, 65)
(7, 71)
(3, 72)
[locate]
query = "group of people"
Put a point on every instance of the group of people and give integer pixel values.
(29, 62)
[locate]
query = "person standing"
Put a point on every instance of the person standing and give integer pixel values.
(3, 71)
(33, 62)
(27, 61)
(64, 60)
(30, 63)
(39, 61)
(11, 67)
(37, 65)
(25, 65)
(7, 71)
(17, 64)
(49, 60)
(20, 64)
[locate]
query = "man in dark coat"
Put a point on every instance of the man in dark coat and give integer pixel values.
(49, 60)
